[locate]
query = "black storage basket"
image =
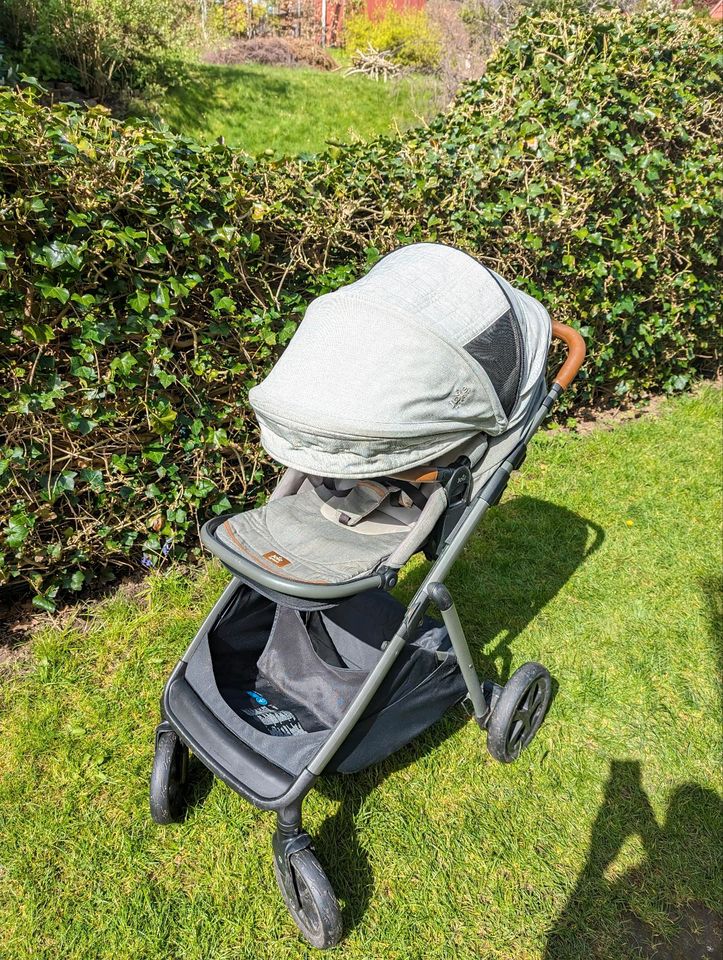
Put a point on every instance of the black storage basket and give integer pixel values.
(280, 678)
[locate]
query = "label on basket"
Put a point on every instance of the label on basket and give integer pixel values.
(270, 719)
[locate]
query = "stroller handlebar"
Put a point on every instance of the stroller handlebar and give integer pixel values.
(575, 353)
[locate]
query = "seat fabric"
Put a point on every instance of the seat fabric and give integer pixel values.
(297, 537)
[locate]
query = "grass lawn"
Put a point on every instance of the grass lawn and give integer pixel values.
(293, 109)
(603, 562)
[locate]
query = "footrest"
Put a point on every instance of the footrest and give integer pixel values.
(244, 770)
(272, 583)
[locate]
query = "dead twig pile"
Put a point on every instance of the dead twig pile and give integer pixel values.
(377, 64)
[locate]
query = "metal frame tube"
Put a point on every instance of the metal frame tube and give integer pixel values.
(443, 598)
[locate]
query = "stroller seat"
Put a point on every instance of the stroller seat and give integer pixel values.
(327, 531)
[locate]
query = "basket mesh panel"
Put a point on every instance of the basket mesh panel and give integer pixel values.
(498, 350)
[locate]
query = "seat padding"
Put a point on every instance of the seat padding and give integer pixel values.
(293, 538)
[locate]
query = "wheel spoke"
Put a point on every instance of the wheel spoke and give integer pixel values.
(523, 715)
(516, 731)
(522, 728)
(539, 695)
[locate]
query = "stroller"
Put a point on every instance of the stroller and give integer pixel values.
(400, 408)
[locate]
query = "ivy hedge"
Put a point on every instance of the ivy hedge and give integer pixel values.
(147, 282)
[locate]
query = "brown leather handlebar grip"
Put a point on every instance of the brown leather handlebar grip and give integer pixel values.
(575, 353)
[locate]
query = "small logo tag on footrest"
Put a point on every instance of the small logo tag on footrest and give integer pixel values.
(276, 558)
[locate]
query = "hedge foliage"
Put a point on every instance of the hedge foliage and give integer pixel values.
(147, 282)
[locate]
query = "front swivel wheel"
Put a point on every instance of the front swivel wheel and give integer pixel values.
(309, 897)
(519, 712)
(168, 778)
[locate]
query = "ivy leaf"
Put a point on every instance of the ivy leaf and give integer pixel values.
(154, 454)
(17, 531)
(161, 296)
(41, 333)
(226, 303)
(139, 301)
(77, 580)
(124, 364)
(51, 292)
(76, 422)
(63, 483)
(43, 602)
(94, 478)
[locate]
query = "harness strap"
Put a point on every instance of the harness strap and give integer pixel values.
(414, 493)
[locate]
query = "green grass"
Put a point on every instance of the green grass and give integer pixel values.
(602, 562)
(292, 110)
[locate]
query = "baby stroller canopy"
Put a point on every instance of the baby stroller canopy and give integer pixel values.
(391, 372)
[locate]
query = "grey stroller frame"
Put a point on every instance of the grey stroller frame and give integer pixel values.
(511, 714)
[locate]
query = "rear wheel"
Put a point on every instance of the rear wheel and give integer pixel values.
(310, 898)
(519, 712)
(168, 778)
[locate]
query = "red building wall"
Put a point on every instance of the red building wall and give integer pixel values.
(377, 7)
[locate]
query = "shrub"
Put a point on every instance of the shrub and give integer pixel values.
(271, 51)
(268, 51)
(312, 54)
(147, 282)
(105, 47)
(487, 22)
(411, 37)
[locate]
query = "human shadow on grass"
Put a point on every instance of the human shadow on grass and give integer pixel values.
(529, 549)
(678, 876)
(680, 873)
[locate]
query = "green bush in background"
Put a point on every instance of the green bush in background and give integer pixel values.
(104, 47)
(147, 282)
(409, 35)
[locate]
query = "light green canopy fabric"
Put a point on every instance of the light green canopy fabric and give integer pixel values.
(425, 352)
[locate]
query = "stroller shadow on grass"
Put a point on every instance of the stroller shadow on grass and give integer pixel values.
(527, 550)
(199, 784)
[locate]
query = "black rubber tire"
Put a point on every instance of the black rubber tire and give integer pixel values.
(319, 918)
(168, 779)
(519, 712)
